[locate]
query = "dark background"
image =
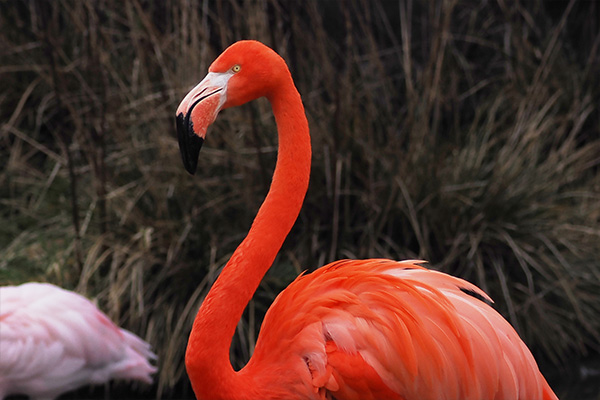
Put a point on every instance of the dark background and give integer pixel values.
(466, 133)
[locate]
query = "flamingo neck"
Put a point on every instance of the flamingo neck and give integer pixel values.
(207, 356)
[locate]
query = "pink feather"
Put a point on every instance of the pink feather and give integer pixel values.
(53, 341)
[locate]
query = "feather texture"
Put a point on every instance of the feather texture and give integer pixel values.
(359, 329)
(53, 341)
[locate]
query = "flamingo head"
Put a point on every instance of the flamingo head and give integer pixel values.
(245, 71)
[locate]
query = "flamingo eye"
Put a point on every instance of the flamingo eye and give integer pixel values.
(236, 68)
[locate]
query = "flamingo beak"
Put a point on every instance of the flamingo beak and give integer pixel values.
(196, 112)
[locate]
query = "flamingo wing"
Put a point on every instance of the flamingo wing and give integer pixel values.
(381, 329)
(53, 341)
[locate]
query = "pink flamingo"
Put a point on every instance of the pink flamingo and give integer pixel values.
(53, 341)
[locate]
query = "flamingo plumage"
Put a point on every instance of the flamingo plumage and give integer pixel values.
(353, 329)
(53, 341)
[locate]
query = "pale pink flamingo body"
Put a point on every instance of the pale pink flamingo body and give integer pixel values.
(53, 341)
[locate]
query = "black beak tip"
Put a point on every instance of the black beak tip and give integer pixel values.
(189, 143)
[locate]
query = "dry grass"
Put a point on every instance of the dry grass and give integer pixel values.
(464, 133)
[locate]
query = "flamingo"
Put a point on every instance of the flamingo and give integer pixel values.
(353, 329)
(53, 341)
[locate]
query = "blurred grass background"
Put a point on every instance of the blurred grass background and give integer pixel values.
(466, 133)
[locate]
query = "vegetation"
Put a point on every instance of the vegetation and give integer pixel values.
(466, 133)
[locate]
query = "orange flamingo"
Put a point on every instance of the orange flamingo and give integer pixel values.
(353, 329)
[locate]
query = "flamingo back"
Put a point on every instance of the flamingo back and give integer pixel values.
(381, 329)
(53, 341)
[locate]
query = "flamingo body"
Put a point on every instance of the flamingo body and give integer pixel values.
(354, 329)
(381, 329)
(53, 341)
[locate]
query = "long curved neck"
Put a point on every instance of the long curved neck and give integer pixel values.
(207, 356)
